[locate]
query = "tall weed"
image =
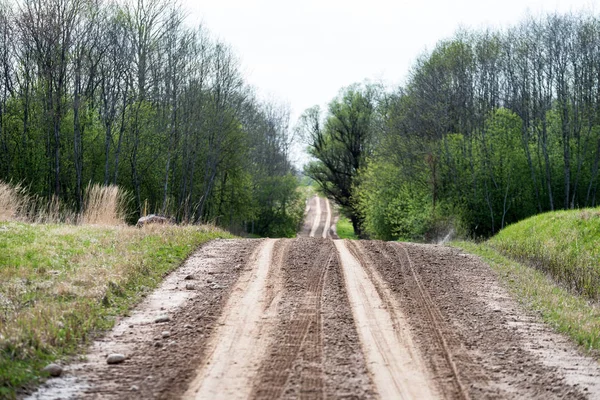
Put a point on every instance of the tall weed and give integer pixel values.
(12, 201)
(104, 205)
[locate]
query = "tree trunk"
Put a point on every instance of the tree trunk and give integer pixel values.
(77, 140)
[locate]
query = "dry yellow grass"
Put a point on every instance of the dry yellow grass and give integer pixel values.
(43, 211)
(17, 205)
(11, 201)
(104, 205)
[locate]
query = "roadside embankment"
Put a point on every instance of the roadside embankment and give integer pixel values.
(551, 263)
(61, 284)
(562, 243)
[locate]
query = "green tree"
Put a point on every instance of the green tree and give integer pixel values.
(340, 144)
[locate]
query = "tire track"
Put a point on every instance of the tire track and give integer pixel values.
(317, 221)
(275, 278)
(241, 338)
(393, 360)
(299, 337)
(327, 224)
(436, 322)
(399, 320)
(439, 345)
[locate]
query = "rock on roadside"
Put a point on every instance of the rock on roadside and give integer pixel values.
(162, 318)
(154, 219)
(54, 370)
(115, 358)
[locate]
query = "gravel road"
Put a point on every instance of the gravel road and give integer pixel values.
(313, 318)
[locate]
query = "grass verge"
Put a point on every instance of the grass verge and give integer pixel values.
(62, 284)
(562, 243)
(344, 229)
(566, 312)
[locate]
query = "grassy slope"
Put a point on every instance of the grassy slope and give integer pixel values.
(344, 228)
(563, 243)
(63, 283)
(551, 263)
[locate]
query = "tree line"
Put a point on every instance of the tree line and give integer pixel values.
(125, 93)
(491, 127)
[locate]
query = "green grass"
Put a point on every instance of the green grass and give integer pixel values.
(344, 228)
(63, 284)
(551, 263)
(565, 244)
(567, 312)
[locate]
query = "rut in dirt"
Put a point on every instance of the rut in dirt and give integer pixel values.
(319, 220)
(316, 318)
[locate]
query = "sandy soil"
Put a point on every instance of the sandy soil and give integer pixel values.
(318, 221)
(317, 351)
(316, 318)
(237, 348)
(394, 360)
(476, 340)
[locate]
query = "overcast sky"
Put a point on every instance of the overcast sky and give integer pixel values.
(302, 52)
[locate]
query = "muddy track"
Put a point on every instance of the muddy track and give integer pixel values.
(315, 318)
(242, 336)
(309, 358)
(447, 345)
(462, 322)
(441, 350)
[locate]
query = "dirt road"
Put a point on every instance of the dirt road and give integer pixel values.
(319, 221)
(315, 318)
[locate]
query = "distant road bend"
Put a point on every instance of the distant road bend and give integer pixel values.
(315, 317)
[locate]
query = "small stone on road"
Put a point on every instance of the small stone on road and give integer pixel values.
(53, 370)
(162, 318)
(115, 358)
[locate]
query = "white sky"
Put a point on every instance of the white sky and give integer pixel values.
(303, 52)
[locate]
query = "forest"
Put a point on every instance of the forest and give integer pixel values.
(490, 127)
(127, 94)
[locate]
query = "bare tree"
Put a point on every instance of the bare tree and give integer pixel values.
(145, 27)
(6, 83)
(226, 97)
